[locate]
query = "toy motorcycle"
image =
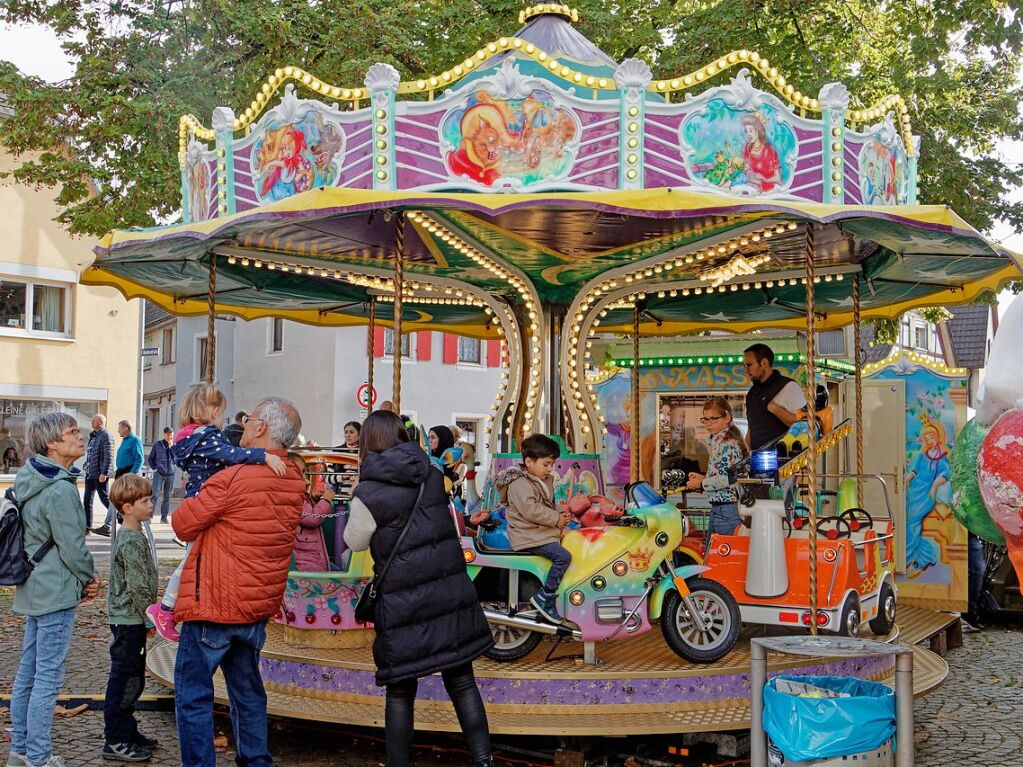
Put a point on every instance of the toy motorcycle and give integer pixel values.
(621, 581)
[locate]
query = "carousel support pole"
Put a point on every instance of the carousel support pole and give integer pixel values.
(211, 323)
(858, 384)
(399, 287)
(634, 420)
(369, 352)
(811, 423)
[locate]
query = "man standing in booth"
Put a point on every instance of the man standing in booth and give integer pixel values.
(773, 400)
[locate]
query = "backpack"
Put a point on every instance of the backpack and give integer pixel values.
(15, 565)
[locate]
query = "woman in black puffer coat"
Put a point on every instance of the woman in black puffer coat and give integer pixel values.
(428, 617)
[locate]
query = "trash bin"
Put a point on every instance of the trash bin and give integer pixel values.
(827, 720)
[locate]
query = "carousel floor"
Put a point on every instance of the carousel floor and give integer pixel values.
(640, 686)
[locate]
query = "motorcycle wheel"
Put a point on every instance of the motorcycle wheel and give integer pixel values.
(510, 642)
(719, 612)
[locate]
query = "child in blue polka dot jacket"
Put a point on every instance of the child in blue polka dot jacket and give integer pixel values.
(201, 450)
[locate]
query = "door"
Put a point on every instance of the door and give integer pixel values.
(884, 453)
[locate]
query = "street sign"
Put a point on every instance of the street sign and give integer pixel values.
(362, 396)
(150, 351)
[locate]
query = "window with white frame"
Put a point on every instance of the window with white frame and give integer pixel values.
(470, 350)
(200, 360)
(35, 308)
(275, 336)
(406, 344)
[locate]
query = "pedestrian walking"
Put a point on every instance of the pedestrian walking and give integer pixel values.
(428, 617)
(161, 461)
(51, 511)
(129, 459)
(133, 586)
(99, 456)
(242, 526)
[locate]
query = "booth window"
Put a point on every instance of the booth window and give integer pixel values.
(15, 415)
(470, 351)
(406, 344)
(35, 308)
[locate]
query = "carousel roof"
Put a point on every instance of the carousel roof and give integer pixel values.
(704, 260)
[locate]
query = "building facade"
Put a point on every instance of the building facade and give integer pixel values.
(65, 346)
(446, 379)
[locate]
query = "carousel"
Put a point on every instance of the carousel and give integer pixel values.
(541, 193)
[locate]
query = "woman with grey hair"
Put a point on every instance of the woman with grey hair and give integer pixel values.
(53, 515)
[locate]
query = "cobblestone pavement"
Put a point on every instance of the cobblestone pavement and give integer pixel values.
(975, 718)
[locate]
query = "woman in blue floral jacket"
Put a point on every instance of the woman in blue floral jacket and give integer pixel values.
(727, 448)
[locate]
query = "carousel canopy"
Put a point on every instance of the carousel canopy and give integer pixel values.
(704, 260)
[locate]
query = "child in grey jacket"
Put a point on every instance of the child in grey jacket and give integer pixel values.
(534, 524)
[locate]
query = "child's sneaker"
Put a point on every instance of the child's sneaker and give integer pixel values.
(143, 741)
(544, 604)
(126, 752)
(164, 622)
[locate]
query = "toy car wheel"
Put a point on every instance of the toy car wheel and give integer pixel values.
(884, 622)
(720, 616)
(510, 642)
(849, 620)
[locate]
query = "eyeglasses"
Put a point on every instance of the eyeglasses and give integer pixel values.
(247, 418)
(711, 418)
(73, 430)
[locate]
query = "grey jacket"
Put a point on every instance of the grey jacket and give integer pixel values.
(533, 519)
(50, 505)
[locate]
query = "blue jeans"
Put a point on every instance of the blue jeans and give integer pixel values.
(560, 560)
(38, 681)
(164, 483)
(234, 649)
(724, 518)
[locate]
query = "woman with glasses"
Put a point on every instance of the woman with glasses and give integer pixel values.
(727, 449)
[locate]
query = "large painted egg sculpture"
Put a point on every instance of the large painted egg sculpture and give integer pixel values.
(1000, 473)
(967, 502)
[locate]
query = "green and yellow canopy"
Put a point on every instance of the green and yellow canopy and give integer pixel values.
(317, 257)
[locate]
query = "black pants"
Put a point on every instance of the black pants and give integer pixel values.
(465, 695)
(121, 472)
(93, 485)
(127, 679)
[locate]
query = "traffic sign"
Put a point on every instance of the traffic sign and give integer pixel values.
(363, 397)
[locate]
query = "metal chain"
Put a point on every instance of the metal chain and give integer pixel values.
(857, 342)
(811, 423)
(399, 287)
(211, 324)
(370, 340)
(634, 420)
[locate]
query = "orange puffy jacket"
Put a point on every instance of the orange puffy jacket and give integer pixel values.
(243, 525)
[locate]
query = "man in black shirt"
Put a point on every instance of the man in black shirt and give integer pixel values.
(773, 400)
(233, 433)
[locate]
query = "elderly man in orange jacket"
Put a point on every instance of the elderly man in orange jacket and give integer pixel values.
(243, 523)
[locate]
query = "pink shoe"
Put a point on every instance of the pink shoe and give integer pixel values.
(164, 621)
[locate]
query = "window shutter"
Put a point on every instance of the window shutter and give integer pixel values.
(450, 349)
(493, 354)
(424, 345)
(378, 341)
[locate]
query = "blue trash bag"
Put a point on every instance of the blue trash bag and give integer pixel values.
(821, 728)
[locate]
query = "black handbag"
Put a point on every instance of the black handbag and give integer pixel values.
(366, 608)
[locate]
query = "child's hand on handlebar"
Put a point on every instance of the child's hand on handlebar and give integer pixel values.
(695, 481)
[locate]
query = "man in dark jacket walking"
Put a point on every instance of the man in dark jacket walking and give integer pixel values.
(98, 456)
(161, 461)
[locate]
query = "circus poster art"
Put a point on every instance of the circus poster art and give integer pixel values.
(750, 152)
(295, 155)
(878, 173)
(197, 173)
(521, 140)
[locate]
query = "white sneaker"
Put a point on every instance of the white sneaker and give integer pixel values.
(53, 761)
(15, 759)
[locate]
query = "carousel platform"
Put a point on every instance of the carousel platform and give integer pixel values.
(639, 687)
